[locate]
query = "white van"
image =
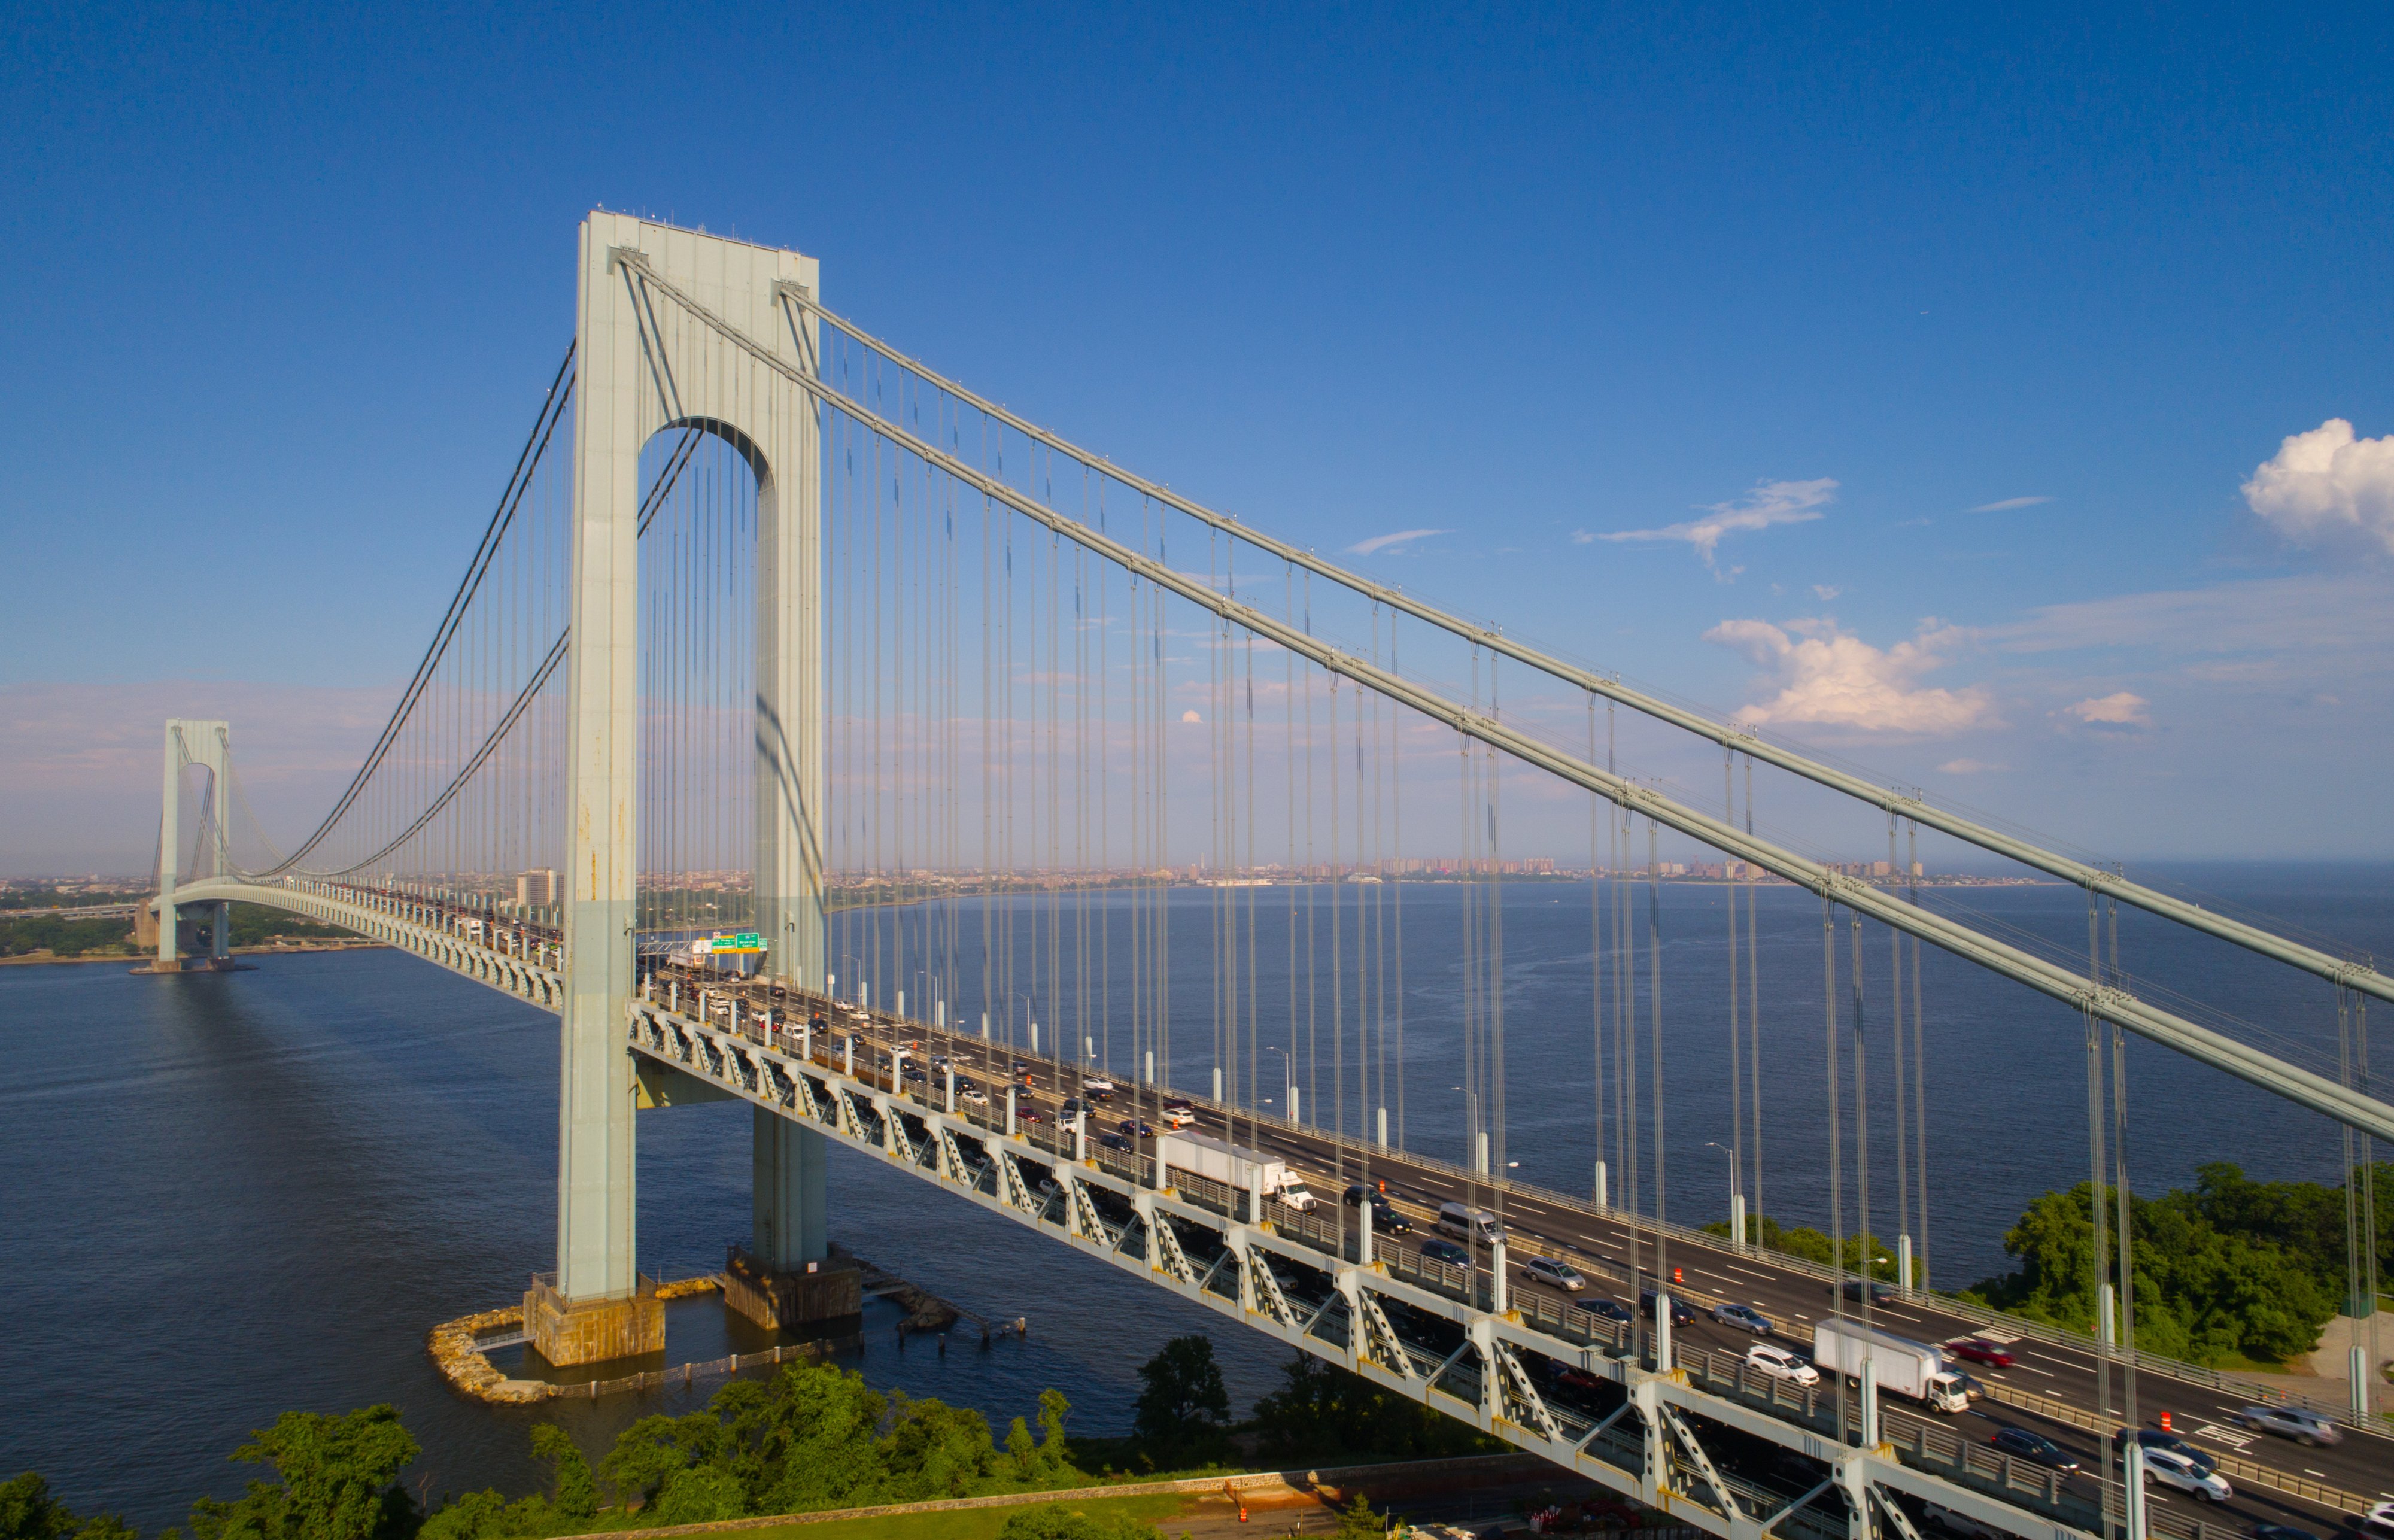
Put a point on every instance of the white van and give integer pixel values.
(1480, 1226)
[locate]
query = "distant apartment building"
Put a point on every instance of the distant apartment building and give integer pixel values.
(536, 888)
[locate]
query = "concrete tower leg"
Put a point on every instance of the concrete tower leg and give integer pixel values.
(213, 750)
(595, 1305)
(170, 839)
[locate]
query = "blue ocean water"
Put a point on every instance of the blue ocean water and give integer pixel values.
(231, 1195)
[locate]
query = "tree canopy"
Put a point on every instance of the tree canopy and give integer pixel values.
(2233, 1268)
(1183, 1407)
(1325, 1414)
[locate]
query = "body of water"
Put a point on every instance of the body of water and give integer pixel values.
(231, 1195)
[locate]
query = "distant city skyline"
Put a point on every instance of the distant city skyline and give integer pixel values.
(1996, 401)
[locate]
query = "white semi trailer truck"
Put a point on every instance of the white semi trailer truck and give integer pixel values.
(1907, 1368)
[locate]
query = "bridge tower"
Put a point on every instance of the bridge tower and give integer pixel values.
(205, 745)
(644, 367)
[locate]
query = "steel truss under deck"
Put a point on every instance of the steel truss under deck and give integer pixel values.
(1491, 1369)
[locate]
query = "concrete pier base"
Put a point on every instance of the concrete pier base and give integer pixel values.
(593, 1331)
(824, 1299)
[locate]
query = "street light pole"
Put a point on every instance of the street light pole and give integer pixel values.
(1736, 1199)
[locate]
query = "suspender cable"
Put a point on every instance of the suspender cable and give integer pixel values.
(2308, 1089)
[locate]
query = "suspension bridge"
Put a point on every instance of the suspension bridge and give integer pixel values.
(811, 731)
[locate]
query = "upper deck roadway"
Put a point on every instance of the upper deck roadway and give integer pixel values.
(1310, 1291)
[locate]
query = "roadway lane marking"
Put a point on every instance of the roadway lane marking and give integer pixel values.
(2062, 1362)
(2217, 1434)
(2034, 1370)
(1767, 1278)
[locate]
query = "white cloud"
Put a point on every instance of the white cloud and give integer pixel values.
(1191, 717)
(2006, 504)
(1389, 542)
(1825, 591)
(2116, 710)
(2327, 487)
(1969, 767)
(1770, 503)
(1830, 678)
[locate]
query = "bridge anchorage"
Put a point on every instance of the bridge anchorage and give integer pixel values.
(791, 677)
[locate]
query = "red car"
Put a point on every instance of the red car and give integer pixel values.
(1978, 1350)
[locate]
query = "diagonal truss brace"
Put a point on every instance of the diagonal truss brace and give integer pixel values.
(1527, 1393)
(1773, 1520)
(1895, 1515)
(1384, 1335)
(1694, 1450)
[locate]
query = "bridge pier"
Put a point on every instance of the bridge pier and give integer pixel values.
(787, 1279)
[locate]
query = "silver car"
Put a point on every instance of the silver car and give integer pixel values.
(2290, 1422)
(1555, 1274)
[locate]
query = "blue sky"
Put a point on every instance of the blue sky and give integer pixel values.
(289, 284)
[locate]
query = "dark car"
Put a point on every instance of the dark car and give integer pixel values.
(1682, 1313)
(1115, 1141)
(2282, 1531)
(1071, 1109)
(1608, 1310)
(1447, 1252)
(1178, 1104)
(2035, 1448)
(1880, 1294)
(1975, 1349)
(1030, 1116)
(1386, 1221)
(1133, 1128)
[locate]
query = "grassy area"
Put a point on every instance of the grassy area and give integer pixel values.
(979, 1523)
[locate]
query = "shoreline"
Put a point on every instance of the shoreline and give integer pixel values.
(44, 959)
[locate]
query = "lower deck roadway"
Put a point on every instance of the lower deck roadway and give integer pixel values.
(1600, 1242)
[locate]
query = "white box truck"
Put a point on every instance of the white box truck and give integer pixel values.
(1245, 1170)
(1907, 1368)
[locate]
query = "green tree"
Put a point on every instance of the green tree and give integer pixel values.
(2203, 1293)
(1022, 1449)
(1055, 1455)
(338, 1481)
(1359, 1523)
(1184, 1406)
(1324, 1414)
(935, 1449)
(699, 1494)
(573, 1495)
(1813, 1245)
(29, 1512)
(647, 1455)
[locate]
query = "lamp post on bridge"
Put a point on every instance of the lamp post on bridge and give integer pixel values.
(1736, 1198)
(1288, 1076)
